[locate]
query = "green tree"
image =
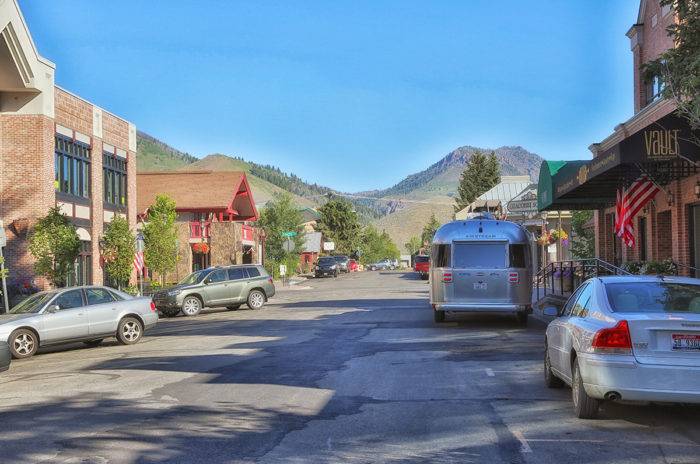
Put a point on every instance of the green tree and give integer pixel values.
(119, 247)
(413, 245)
(481, 174)
(281, 215)
(160, 236)
(583, 240)
(429, 230)
(375, 245)
(55, 245)
(679, 67)
(339, 224)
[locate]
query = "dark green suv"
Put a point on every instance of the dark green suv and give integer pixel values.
(229, 286)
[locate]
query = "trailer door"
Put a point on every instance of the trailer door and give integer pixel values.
(480, 273)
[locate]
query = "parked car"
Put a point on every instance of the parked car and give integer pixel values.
(353, 266)
(326, 266)
(421, 265)
(631, 338)
(88, 314)
(228, 286)
(5, 356)
(383, 265)
(342, 263)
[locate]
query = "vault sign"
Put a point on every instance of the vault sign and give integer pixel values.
(662, 144)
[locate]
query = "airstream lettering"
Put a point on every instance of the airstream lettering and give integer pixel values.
(481, 265)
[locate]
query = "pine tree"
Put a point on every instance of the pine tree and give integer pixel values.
(481, 174)
(429, 229)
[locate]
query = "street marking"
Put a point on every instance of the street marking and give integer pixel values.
(524, 446)
(490, 372)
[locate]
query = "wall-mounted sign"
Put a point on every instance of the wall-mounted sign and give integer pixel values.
(328, 246)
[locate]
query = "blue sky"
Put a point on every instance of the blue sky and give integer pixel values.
(354, 95)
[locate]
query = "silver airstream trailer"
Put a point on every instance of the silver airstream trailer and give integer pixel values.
(481, 265)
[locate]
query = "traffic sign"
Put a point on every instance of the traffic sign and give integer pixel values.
(289, 234)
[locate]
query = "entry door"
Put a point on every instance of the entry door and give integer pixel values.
(695, 221)
(70, 321)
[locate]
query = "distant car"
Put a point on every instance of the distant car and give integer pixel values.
(342, 263)
(229, 286)
(326, 266)
(87, 314)
(353, 266)
(5, 356)
(382, 265)
(631, 338)
(421, 265)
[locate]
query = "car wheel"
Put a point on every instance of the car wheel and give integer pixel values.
(170, 312)
(23, 343)
(191, 306)
(439, 316)
(93, 343)
(522, 318)
(550, 380)
(256, 299)
(129, 331)
(233, 307)
(585, 407)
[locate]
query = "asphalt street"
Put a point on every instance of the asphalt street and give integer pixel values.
(347, 370)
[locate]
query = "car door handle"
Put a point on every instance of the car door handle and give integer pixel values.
(114, 309)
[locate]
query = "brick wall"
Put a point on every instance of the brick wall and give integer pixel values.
(26, 184)
(73, 112)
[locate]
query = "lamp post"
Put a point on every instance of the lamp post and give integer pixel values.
(140, 245)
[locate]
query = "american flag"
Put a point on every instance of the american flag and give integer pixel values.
(629, 203)
(138, 262)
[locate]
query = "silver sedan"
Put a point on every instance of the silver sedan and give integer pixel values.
(87, 314)
(626, 339)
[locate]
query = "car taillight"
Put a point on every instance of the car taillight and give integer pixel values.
(447, 277)
(269, 279)
(513, 277)
(613, 340)
(153, 306)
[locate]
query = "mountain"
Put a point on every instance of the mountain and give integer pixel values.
(154, 155)
(432, 190)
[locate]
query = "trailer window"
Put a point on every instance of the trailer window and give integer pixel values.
(518, 256)
(441, 256)
(482, 255)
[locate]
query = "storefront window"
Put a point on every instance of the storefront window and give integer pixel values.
(114, 178)
(72, 167)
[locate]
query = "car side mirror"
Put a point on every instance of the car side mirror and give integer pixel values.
(550, 311)
(54, 308)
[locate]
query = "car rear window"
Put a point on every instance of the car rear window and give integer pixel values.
(236, 273)
(653, 297)
(422, 259)
(253, 272)
(482, 255)
(98, 296)
(326, 261)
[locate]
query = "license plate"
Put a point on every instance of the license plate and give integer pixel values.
(683, 342)
(480, 286)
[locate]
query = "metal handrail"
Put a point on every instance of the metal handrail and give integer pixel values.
(578, 271)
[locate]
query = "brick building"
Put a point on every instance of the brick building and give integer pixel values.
(214, 215)
(655, 142)
(56, 149)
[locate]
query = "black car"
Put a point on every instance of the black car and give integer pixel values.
(5, 356)
(326, 266)
(343, 262)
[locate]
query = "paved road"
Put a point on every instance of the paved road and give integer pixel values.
(351, 370)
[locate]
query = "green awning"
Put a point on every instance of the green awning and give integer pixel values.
(550, 171)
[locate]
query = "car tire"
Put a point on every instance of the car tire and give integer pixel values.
(191, 306)
(585, 407)
(256, 299)
(550, 380)
(439, 316)
(233, 307)
(129, 331)
(93, 343)
(23, 343)
(522, 318)
(170, 312)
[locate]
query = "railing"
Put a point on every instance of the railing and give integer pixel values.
(247, 232)
(199, 229)
(563, 277)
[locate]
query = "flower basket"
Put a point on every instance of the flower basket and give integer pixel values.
(201, 248)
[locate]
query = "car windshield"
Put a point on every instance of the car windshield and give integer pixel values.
(653, 297)
(422, 259)
(33, 304)
(194, 278)
(340, 259)
(326, 261)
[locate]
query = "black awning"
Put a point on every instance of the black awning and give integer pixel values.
(663, 150)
